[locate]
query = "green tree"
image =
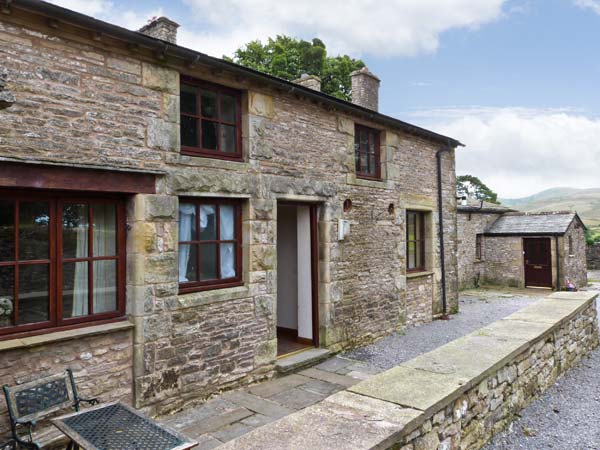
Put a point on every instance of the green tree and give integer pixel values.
(288, 58)
(471, 186)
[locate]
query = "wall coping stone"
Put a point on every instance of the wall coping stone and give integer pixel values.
(58, 336)
(375, 412)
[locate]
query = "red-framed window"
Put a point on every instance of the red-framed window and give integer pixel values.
(367, 152)
(210, 244)
(478, 247)
(62, 261)
(210, 120)
(415, 241)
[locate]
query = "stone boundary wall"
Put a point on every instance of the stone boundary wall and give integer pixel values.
(593, 257)
(455, 397)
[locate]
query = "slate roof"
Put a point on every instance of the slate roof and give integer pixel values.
(530, 224)
(475, 206)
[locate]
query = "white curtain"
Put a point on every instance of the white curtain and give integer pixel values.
(227, 218)
(187, 215)
(80, 283)
(105, 272)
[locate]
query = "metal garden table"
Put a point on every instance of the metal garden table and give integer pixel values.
(116, 426)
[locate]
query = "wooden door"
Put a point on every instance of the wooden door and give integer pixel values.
(538, 262)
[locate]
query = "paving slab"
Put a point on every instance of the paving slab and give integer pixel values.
(215, 422)
(257, 404)
(330, 377)
(257, 420)
(412, 388)
(334, 364)
(231, 432)
(297, 398)
(343, 421)
(321, 387)
(206, 442)
(273, 387)
(211, 408)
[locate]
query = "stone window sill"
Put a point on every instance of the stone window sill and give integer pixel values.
(67, 335)
(215, 296)
(211, 163)
(378, 184)
(411, 275)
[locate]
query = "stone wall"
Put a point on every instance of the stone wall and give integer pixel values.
(504, 261)
(101, 364)
(574, 266)
(99, 103)
(470, 269)
(455, 397)
(418, 311)
(468, 422)
(593, 257)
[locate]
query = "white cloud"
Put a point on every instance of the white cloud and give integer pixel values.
(89, 7)
(390, 28)
(520, 151)
(594, 5)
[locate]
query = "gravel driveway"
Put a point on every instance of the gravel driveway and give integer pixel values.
(477, 309)
(566, 417)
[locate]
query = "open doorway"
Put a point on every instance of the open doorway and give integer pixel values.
(297, 316)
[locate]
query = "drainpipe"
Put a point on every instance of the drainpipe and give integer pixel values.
(557, 264)
(438, 156)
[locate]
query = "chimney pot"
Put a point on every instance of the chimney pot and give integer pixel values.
(365, 89)
(309, 81)
(161, 28)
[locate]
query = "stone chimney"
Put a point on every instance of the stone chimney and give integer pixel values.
(365, 89)
(309, 81)
(161, 28)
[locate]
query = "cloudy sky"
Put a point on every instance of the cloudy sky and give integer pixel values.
(517, 81)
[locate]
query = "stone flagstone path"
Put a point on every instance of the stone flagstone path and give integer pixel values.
(235, 413)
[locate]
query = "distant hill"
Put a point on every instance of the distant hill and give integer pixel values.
(586, 202)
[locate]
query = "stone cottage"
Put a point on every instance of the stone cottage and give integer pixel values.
(497, 245)
(170, 222)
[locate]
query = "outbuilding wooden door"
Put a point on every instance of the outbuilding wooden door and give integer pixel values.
(538, 262)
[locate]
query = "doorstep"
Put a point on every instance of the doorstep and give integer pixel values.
(301, 360)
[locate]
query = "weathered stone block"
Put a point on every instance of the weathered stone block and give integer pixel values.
(260, 104)
(160, 78)
(162, 134)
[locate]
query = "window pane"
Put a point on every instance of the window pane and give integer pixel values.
(208, 223)
(209, 135)
(364, 139)
(105, 229)
(209, 104)
(357, 159)
(7, 285)
(228, 139)
(189, 131)
(7, 231)
(188, 263)
(34, 234)
(75, 289)
(411, 226)
(227, 217)
(419, 253)
(412, 257)
(34, 299)
(208, 262)
(189, 96)
(372, 165)
(105, 286)
(227, 261)
(228, 108)
(187, 222)
(75, 231)
(363, 163)
(418, 224)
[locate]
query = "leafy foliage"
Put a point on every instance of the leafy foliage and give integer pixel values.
(592, 235)
(288, 58)
(473, 187)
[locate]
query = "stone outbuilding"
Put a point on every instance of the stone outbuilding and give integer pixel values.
(497, 245)
(171, 223)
